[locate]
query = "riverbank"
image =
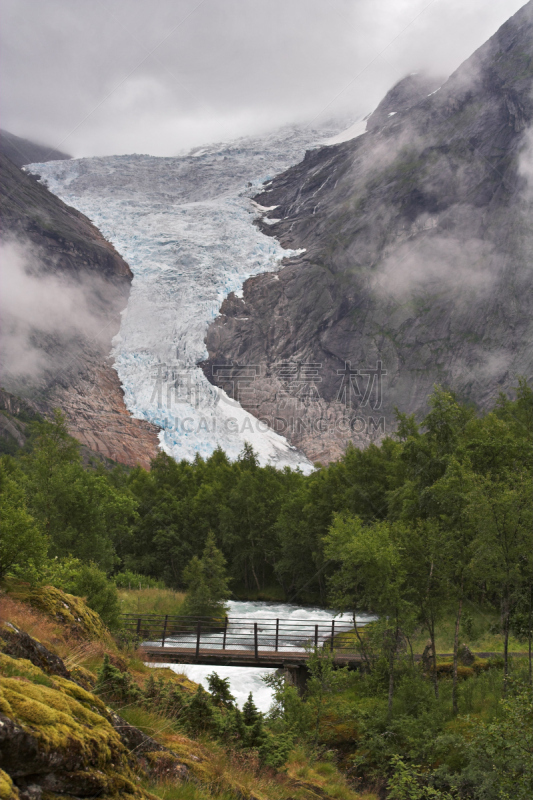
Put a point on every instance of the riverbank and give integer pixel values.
(132, 731)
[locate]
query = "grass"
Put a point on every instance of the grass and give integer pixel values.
(185, 791)
(149, 722)
(475, 632)
(218, 773)
(319, 777)
(150, 601)
(28, 619)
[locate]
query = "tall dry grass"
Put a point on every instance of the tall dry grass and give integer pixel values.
(34, 623)
(150, 601)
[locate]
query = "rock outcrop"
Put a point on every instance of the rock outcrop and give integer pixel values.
(74, 370)
(417, 262)
(58, 737)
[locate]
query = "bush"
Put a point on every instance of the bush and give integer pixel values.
(275, 749)
(87, 581)
(113, 684)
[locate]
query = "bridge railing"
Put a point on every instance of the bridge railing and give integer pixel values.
(238, 633)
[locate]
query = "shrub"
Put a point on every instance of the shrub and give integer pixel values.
(275, 749)
(87, 581)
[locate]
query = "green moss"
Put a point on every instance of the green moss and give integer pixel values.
(65, 718)
(84, 676)
(22, 668)
(65, 608)
(61, 715)
(7, 790)
(61, 721)
(445, 667)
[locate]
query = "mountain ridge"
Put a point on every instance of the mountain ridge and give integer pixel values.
(417, 247)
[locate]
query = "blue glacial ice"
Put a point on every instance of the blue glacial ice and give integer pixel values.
(184, 225)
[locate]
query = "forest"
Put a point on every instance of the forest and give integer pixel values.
(431, 531)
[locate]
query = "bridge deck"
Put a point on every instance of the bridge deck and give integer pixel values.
(247, 643)
(235, 658)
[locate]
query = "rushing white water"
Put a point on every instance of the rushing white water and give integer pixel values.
(244, 680)
(185, 226)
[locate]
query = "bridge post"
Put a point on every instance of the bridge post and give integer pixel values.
(296, 675)
(332, 634)
(164, 631)
(225, 632)
(256, 648)
(139, 627)
(277, 636)
(316, 636)
(198, 633)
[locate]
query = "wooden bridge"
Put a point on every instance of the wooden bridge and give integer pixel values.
(240, 642)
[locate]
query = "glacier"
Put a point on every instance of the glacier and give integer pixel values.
(185, 226)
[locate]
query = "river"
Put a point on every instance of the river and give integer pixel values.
(244, 680)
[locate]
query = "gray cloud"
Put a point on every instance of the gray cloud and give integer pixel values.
(46, 318)
(438, 264)
(122, 76)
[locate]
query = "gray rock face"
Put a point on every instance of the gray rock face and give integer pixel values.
(418, 244)
(18, 644)
(74, 369)
(410, 91)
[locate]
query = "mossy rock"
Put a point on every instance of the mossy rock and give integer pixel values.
(18, 644)
(56, 730)
(445, 667)
(188, 686)
(23, 668)
(84, 677)
(67, 609)
(8, 791)
(164, 766)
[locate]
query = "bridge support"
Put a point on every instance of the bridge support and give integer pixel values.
(296, 675)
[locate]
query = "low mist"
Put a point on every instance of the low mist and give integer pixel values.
(46, 318)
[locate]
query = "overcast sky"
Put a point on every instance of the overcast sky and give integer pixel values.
(158, 76)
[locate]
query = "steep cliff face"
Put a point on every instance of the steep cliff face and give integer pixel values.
(65, 287)
(417, 262)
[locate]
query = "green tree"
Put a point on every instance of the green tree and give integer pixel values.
(502, 515)
(80, 511)
(207, 583)
(424, 552)
(372, 576)
(220, 691)
(323, 683)
(23, 545)
(448, 499)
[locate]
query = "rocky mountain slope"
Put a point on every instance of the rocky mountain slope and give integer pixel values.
(417, 260)
(21, 151)
(64, 287)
